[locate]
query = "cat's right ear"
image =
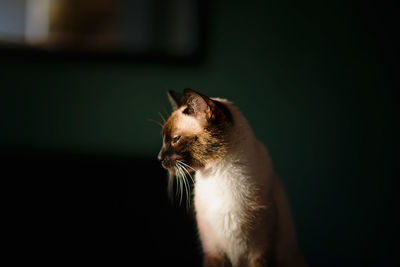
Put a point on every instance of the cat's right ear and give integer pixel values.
(176, 99)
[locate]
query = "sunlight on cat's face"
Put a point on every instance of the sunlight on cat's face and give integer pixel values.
(195, 135)
(180, 138)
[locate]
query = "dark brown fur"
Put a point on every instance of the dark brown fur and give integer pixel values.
(214, 261)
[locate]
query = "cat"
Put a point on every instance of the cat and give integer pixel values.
(242, 212)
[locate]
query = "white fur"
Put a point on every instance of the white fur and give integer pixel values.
(225, 192)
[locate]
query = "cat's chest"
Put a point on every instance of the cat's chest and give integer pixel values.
(219, 203)
(215, 194)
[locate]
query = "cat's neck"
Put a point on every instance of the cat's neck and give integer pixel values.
(242, 146)
(242, 142)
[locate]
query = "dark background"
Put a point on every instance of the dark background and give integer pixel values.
(317, 81)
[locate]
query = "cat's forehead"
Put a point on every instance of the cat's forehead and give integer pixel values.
(179, 124)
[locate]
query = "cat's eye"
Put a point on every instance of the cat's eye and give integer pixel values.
(176, 139)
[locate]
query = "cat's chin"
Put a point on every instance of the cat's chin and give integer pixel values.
(171, 171)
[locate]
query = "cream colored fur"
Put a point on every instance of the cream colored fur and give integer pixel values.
(241, 208)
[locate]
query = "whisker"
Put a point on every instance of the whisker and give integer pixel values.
(186, 165)
(177, 181)
(187, 186)
(181, 184)
(171, 185)
(165, 112)
(156, 122)
(162, 117)
(183, 167)
(187, 183)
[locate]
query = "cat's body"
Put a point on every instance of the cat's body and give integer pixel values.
(242, 212)
(240, 204)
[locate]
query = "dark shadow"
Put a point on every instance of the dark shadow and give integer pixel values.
(95, 209)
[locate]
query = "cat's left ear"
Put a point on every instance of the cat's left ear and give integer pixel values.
(202, 107)
(176, 99)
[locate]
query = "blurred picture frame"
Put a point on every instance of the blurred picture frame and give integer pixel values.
(141, 30)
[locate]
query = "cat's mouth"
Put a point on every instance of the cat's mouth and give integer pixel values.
(178, 167)
(169, 166)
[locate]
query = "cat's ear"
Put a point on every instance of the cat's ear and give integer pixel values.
(176, 99)
(199, 105)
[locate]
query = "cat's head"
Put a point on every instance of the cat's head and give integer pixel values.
(196, 134)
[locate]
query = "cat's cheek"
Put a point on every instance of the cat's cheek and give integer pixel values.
(196, 163)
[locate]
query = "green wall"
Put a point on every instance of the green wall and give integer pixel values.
(314, 81)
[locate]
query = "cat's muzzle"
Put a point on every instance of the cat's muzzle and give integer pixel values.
(167, 162)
